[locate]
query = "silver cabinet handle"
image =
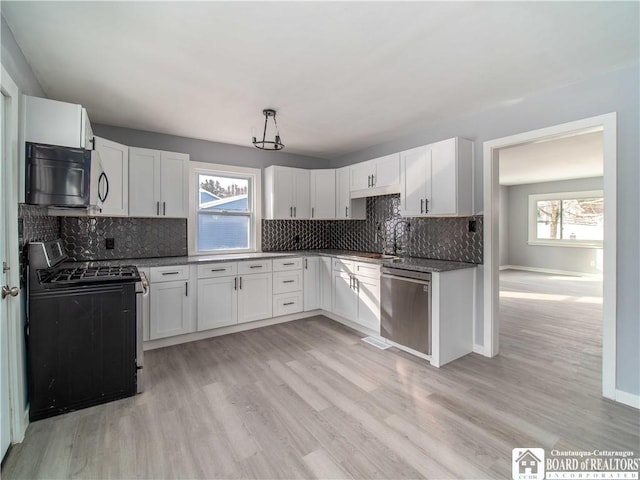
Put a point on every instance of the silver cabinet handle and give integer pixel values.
(368, 181)
(346, 212)
(218, 269)
(306, 265)
(373, 180)
(170, 273)
(157, 208)
(295, 212)
(164, 208)
(288, 303)
(255, 266)
(288, 281)
(240, 282)
(186, 289)
(312, 209)
(289, 263)
(421, 205)
(291, 212)
(426, 205)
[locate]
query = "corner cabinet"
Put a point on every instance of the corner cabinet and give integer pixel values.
(158, 183)
(346, 208)
(286, 193)
(437, 179)
(115, 165)
(380, 176)
(322, 194)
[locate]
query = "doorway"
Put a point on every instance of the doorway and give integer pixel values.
(12, 384)
(607, 124)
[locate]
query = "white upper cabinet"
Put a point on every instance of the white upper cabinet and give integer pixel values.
(437, 179)
(56, 123)
(115, 182)
(286, 193)
(158, 183)
(345, 207)
(380, 176)
(322, 194)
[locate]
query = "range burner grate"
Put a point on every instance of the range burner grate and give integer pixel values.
(84, 274)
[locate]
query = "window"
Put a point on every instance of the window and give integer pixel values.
(568, 219)
(223, 215)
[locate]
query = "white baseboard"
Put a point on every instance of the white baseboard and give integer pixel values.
(216, 332)
(550, 271)
(349, 323)
(628, 399)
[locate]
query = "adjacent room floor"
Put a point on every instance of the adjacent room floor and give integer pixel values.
(309, 399)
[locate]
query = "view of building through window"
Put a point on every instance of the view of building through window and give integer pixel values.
(570, 219)
(224, 213)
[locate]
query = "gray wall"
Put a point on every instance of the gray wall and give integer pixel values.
(557, 258)
(205, 151)
(615, 91)
(16, 65)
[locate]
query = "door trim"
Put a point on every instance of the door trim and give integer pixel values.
(16, 354)
(491, 253)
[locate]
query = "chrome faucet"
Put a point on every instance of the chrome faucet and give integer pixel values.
(395, 234)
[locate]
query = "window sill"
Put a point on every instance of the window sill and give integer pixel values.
(542, 243)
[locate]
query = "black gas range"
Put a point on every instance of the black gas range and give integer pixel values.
(84, 331)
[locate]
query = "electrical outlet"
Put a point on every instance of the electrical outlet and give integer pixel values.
(472, 225)
(110, 243)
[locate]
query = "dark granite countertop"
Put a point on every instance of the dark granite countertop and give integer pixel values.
(405, 263)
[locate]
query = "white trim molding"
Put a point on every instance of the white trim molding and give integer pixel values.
(607, 124)
(550, 271)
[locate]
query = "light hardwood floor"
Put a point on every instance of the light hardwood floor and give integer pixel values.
(309, 399)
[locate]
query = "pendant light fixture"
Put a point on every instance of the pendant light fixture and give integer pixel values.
(265, 144)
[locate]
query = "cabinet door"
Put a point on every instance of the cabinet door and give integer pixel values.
(343, 197)
(368, 290)
(344, 296)
(283, 193)
(301, 208)
(52, 122)
(255, 297)
(361, 176)
(442, 200)
(322, 191)
(174, 169)
(170, 310)
(414, 177)
(144, 182)
(326, 293)
(115, 163)
(217, 302)
(311, 283)
(387, 171)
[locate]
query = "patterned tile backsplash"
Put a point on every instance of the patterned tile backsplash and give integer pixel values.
(85, 237)
(35, 224)
(440, 238)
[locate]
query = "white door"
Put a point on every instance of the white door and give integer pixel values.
(387, 171)
(442, 200)
(414, 173)
(301, 200)
(322, 191)
(255, 297)
(12, 395)
(311, 283)
(174, 169)
(115, 163)
(361, 176)
(144, 182)
(217, 302)
(368, 302)
(170, 309)
(344, 296)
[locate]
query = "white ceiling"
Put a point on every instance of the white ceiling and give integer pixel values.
(576, 156)
(342, 75)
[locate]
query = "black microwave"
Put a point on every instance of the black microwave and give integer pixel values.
(57, 176)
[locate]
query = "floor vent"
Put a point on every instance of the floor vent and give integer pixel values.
(376, 342)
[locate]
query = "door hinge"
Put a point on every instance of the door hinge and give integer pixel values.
(5, 267)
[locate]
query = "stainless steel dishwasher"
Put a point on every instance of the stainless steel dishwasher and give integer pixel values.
(405, 308)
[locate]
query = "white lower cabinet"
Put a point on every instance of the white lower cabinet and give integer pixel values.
(368, 293)
(356, 297)
(255, 297)
(217, 302)
(311, 283)
(344, 295)
(326, 291)
(171, 312)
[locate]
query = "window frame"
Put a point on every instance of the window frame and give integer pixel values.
(254, 175)
(563, 242)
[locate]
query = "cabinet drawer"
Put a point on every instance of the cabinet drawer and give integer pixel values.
(287, 303)
(287, 281)
(370, 270)
(213, 270)
(169, 274)
(254, 266)
(340, 265)
(282, 264)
